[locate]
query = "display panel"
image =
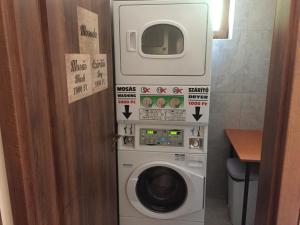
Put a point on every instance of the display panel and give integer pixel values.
(162, 137)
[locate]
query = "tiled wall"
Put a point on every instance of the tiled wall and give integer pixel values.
(239, 83)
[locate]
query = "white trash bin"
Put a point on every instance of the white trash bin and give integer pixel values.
(236, 182)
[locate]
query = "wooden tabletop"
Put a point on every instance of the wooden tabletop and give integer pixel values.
(246, 143)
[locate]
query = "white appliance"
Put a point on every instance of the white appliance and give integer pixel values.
(162, 67)
(162, 173)
(162, 42)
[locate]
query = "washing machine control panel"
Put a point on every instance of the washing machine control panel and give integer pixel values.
(162, 137)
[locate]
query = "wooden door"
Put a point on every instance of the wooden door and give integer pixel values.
(278, 200)
(82, 131)
(61, 158)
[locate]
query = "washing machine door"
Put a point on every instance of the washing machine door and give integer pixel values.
(163, 190)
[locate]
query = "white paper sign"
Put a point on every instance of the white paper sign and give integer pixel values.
(79, 79)
(88, 31)
(99, 72)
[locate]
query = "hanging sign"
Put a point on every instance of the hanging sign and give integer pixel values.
(88, 31)
(79, 79)
(99, 72)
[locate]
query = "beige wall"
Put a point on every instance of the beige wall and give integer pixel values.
(5, 207)
(240, 69)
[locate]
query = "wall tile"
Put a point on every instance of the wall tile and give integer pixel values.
(241, 14)
(229, 63)
(226, 103)
(255, 78)
(261, 16)
(252, 112)
(218, 123)
(259, 44)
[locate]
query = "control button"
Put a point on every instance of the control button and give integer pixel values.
(147, 102)
(175, 102)
(161, 102)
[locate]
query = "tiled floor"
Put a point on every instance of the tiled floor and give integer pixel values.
(216, 212)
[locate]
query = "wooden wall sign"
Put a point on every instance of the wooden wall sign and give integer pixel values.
(99, 72)
(88, 31)
(79, 78)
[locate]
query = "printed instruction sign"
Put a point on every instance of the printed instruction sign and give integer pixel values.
(79, 79)
(178, 104)
(88, 31)
(99, 72)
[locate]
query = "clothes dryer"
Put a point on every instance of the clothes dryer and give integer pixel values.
(163, 42)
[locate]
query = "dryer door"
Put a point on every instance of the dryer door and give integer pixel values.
(162, 190)
(163, 39)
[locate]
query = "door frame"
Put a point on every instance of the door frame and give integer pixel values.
(18, 134)
(278, 156)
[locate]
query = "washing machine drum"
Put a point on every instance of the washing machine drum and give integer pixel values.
(162, 190)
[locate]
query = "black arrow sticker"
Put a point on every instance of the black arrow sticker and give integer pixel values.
(127, 114)
(197, 114)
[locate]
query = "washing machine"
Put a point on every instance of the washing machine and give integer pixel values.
(162, 42)
(162, 174)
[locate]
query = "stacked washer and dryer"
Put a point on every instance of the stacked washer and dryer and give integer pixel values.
(163, 67)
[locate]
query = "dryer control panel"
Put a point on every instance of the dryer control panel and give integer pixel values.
(162, 137)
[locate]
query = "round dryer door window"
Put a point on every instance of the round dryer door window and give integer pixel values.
(161, 189)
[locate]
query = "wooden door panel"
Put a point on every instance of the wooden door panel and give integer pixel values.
(24, 115)
(276, 197)
(82, 131)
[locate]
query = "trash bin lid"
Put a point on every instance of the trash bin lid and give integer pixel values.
(237, 169)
